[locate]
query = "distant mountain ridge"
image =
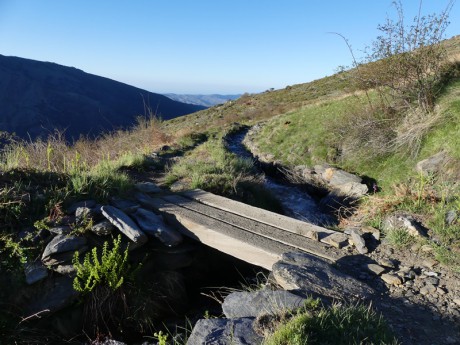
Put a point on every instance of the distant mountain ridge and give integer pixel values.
(204, 100)
(38, 97)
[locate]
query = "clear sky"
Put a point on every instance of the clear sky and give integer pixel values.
(199, 46)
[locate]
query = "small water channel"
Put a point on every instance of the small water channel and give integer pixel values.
(294, 198)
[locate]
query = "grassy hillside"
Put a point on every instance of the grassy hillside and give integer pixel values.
(332, 120)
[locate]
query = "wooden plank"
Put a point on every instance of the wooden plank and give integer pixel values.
(260, 215)
(286, 237)
(244, 245)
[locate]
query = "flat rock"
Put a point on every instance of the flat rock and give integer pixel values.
(358, 241)
(63, 243)
(125, 224)
(103, 228)
(375, 233)
(56, 294)
(35, 271)
(154, 225)
(433, 164)
(84, 203)
(317, 276)
(252, 304)
(427, 289)
(224, 332)
(337, 240)
(60, 230)
(391, 279)
(376, 269)
(147, 187)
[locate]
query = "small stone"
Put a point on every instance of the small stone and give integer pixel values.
(61, 230)
(456, 301)
(427, 289)
(411, 274)
(441, 290)
(391, 279)
(409, 294)
(429, 263)
(85, 203)
(426, 248)
(103, 228)
(387, 263)
(337, 240)
(82, 214)
(376, 269)
(147, 187)
(451, 217)
(375, 233)
(432, 280)
(358, 241)
(35, 271)
(430, 274)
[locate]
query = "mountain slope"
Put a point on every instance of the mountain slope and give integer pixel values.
(38, 97)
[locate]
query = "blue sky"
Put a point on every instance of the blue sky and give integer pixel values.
(199, 46)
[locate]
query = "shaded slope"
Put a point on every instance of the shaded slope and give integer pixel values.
(37, 97)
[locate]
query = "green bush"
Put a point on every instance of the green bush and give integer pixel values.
(110, 269)
(337, 325)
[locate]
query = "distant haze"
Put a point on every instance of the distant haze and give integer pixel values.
(204, 100)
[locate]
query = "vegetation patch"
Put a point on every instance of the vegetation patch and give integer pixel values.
(339, 324)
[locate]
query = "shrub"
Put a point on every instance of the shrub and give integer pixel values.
(110, 269)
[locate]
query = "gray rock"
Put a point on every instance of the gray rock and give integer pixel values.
(391, 279)
(375, 233)
(66, 270)
(56, 294)
(387, 263)
(342, 181)
(147, 187)
(84, 203)
(376, 269)
(61, 230)
(337, 240)
(427, 289)
(358, 241)
(451, 217)
(103, 228)
(432, 165)
(252, 304)
(125, 224)
(224, 332)
(432, 280)
(35, 271)
(154, 225)
(316, 276)
(83, 214)
(62, 244)
(405, 222)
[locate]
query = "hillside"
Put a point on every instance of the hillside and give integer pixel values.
(318, 139)
(38, 97)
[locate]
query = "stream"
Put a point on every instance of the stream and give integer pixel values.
(295, 200)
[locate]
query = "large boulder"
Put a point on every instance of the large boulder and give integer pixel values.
(341, 181)
(432, 165)
(316, 276)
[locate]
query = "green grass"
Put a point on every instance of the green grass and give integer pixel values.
(337, 325)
